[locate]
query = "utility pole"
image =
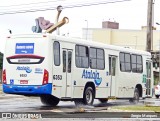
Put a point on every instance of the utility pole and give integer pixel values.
(86, 29)
(149, 26)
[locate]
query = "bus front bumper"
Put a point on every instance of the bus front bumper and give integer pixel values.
(27, 89)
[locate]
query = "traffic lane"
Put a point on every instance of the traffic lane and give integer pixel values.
(63, 110)
(68, 109)
(18, 104)
(34, 104)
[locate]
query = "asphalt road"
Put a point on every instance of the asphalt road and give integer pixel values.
(15, 103)
(32, 106)
(14, 107)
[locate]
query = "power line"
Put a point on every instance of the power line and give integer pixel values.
(96, 3)
(22, 6)
(32, 3)
(64, 7)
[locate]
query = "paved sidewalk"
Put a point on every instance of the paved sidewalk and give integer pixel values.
(6, 96)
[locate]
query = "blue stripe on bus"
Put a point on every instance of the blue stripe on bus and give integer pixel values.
(27, 89)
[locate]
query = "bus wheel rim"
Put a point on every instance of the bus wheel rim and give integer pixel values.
(89, 96)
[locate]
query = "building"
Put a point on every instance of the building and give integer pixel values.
(126, 38)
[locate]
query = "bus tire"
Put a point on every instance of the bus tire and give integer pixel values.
(103, 100)
(49, 100)
(135, 98)
(88, 96)
(157, 96)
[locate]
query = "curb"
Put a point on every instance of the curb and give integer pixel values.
(152, 103)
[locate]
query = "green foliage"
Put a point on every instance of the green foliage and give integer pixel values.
(138, 108)
(156, 80)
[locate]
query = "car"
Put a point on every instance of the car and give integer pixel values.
(157, 90)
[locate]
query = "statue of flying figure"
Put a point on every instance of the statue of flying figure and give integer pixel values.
(42, 24)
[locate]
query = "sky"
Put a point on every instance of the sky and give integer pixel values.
(129, 14)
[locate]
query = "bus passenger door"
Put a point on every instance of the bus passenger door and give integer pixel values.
(112, 74)
(148, 79)
(67, 62)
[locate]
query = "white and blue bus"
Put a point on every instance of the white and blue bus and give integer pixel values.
(59, 68)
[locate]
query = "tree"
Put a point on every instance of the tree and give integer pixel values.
(1, 60)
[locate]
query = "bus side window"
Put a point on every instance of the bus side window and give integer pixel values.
(69, 61)
(125, 62)
(56, 51)
(113, 66)
(97, 58)
(82, 59)
(64, 61)
(109, 65)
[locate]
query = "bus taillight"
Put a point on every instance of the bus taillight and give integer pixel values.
(45, 77)
(4, 77)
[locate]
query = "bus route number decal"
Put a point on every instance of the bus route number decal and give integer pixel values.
(57, 77)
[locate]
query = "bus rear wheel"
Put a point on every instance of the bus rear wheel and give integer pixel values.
(135, 98)
(88, 97)
(49, 100)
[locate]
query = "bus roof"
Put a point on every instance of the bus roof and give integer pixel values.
(82, 42)
(101, 45)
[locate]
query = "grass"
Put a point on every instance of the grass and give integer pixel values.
(138, 108)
